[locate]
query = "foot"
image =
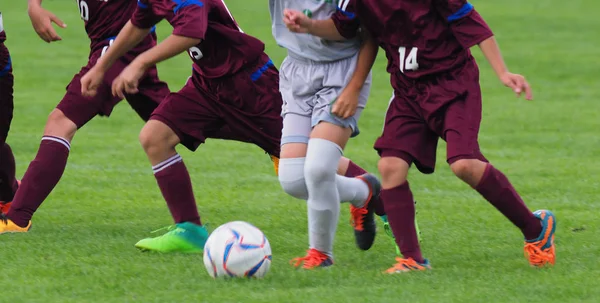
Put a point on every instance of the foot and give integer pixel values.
(8, 226)
(275, 161)
(5, 205)
(540, 252)
(406, 265)
(362, 218)
(313, 259)
(183, 237)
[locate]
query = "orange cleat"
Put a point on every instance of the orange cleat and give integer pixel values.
(406, 265)
(275, 161)
(313, 259)
(541, 251)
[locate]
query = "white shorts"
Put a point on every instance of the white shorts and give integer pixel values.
(309, 88)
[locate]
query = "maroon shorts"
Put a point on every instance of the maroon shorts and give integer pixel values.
(80, 109)
(446, 106)
(235, 108)
(6, 92)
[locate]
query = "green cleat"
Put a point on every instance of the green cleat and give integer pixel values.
(388, 230)
(183, 237)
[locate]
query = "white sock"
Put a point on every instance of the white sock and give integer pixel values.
(352, 190)
(320, 170)
(291, 177)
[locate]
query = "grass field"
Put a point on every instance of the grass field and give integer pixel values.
(81, 246)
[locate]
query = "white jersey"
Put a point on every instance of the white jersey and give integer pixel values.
(305, 46)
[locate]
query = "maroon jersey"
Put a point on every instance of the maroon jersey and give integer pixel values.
(104, 19)
(225, 48)
(420, 37)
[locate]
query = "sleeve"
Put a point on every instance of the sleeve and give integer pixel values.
(345, 19)
(144, 16)
(190, 19)
(468, 26)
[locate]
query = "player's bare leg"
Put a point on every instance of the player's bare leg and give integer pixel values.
(188, 234)
(45, 170)
(537, 228)
(400, 209)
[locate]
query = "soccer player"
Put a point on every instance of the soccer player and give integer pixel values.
(325, 86)
(436, 95)
(103, 20)
(234, 86)
(8, 182)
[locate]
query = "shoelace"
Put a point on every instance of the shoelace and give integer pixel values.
(537, 256)
(313, 258)
(358, 217)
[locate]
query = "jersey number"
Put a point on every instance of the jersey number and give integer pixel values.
(408, 62)
(84, 10)
(110, 42)
(195, 53)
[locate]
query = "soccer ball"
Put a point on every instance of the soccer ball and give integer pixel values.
(237, 249)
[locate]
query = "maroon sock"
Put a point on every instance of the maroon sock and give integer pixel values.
(39, 180)
(400, 209)
(7, 174)
(355, 170)
(174, 182)
(495, 187)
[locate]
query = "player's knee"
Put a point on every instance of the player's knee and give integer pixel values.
(469, 170)
(315, 172)
(156, 135)
(463, 168)
(58, 125)
(393, 171)
(292, 180)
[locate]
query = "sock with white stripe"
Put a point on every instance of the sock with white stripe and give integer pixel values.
(39, 180)
(176, 186)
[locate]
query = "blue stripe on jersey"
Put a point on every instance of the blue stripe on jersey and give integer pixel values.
(256, 75)
(463, 11)
(5, 70)
(347, 14)
(152, 30)
(185, 3)
(142, 5)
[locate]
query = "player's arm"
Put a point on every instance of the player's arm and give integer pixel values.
(129, 36)
(168, 48)
(347, 102)
(516, 82)
(470, 29)
(297, 22)
(342, 25)
(42, 19)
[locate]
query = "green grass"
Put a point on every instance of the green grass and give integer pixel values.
(81, 246)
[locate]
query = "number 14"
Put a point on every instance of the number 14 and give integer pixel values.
(408, 62)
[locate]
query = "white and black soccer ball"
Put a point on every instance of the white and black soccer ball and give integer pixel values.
(237, 249)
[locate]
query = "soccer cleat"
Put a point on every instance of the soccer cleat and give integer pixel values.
(8, 226)
(362, 218)
(275, 161)
(541, 252)
(183, 237)
(4, 207)
(406, 265)
(313, 259)
(388, 230)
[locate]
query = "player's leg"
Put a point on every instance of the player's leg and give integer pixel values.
(182, 117)
(45, 171)
(406, 139)
(461, 129)
(8, 182)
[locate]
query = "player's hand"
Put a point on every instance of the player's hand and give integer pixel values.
(41, 20)
(346, 103)
(518, 84)
(91, 81)
(127, 82)
(296, 21)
